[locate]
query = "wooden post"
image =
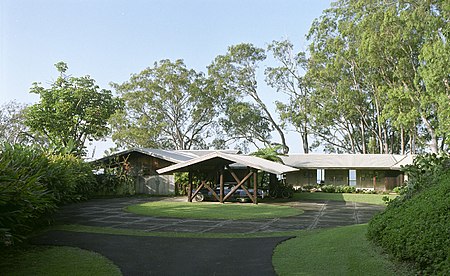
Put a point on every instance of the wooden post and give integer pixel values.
(190, 187)
(255, 187)
(221, 185)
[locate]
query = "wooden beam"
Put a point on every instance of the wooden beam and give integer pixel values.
(237, 186)
(212, 191)
(233, 174)
(198, 189)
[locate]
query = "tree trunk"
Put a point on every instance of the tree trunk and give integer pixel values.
(363, 138)
(305, 139)
(434, 141)
(255, 96)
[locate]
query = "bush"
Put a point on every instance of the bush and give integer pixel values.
(338, 189)
(414, 227)
(114, 179)
(33, 184)
(24, 197)
(69, 178)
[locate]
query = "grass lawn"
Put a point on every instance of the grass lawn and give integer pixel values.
(206, 210)
(336, 251)
(363, 198)
(58, 260)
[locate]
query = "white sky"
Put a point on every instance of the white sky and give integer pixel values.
(110, 40)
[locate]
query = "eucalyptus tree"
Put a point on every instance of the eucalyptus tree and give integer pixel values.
(288, 78)
(378, 68)
(166, 106)
(343, 110)
(72, 111)
(235, 78)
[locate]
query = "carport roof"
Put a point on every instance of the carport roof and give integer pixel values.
(217, 159)
(174, 156)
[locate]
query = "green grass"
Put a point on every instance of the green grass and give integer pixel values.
(336, 251)
(48, 261)
(362, 198)
(206, 210)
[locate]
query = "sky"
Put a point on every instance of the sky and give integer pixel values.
(112, 39)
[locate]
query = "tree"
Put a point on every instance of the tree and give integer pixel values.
(12, 126)
(287, 78)
(378, 86)
(234, 77)
(71, 112)
(166, 106)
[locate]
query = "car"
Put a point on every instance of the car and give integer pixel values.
(239, 195)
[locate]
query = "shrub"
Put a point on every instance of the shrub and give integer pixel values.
(114, 179)
(33, 184)
(414, 228)
(338, 189)
(69, 178)
(24, 197)
(308, 188)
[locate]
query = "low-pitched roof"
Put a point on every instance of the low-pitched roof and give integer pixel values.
(174, 156)
(216, 159)
(347, 161)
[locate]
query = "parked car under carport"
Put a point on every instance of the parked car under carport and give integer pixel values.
(239, 195)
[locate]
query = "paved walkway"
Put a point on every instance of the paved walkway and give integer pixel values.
(318, 214)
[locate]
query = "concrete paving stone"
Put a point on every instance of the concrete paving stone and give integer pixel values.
(330, 225)
(226, 229)
(206, 223)
(117, 219)
(187, 229)
(102, 224)
(107, 212)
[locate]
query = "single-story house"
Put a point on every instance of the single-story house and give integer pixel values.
(144, 162)
(363, 171)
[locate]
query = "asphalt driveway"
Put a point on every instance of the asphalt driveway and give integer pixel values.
(174, 256)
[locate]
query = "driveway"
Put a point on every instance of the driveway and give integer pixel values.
(317, 214)
(137, 255)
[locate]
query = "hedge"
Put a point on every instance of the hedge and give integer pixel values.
(415, 227)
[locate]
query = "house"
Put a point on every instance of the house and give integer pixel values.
(144, 162)
(363, 171)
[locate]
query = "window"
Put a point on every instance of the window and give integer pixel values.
(352, 178)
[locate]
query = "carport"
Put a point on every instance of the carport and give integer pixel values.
(219, 162)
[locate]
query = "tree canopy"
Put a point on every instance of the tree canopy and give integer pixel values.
(166, 106)
(373, 79)
(234, 77)
(378, 77)
(72, 111)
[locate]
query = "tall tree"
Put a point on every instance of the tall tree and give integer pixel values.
(374, 61)
(72, 111)
(166, 106)
(288, 78)
(234, 76)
